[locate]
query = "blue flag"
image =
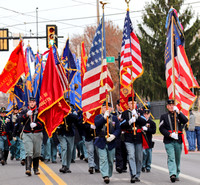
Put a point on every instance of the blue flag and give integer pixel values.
(69, 62)
(78, 87)
(19, 93)
(30, 57)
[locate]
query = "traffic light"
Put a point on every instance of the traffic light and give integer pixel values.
(4, 44)
(51, 35)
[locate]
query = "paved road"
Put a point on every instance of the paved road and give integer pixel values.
(13, 172)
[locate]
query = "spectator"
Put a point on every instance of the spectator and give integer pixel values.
(190, 132)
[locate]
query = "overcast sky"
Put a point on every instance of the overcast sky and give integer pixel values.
(70, 16)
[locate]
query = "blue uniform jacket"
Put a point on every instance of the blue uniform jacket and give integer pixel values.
(101, 131)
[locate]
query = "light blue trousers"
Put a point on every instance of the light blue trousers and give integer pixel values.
(32, 144)
(67, 144)
(135, 155)
(173, 150)
(106, 159)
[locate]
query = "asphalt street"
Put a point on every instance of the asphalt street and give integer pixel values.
(14, 174)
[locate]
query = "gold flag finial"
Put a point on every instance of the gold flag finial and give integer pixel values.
(103, 4)
(127, 1)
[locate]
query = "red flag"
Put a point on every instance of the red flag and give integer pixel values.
(14, 68)
(83, 61)
(53, 107)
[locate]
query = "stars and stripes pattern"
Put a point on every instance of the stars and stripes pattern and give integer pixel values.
(130, 54)
(184, 78)
(97, 79)
(131, 62)
(60, 69)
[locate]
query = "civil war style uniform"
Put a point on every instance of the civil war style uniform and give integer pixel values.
(134, 143)
(121, 152)
(149, 129)
(172, 140)
(93, 159)
(17, 131)
(32, 137)
(15, 144)
(106, 146)
(5, 135)
(65, 133)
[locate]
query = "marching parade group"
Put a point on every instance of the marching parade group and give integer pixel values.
(128, 143)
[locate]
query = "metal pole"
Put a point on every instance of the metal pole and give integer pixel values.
(37, 26)
(97, 12)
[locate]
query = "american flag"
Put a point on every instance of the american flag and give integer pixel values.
(61, 70)
(97, 79)
(131, 61)
(184, 78)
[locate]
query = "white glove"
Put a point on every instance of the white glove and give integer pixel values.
(132, 120)
(174, 135)
(32, 125)
(106, 114)
(14, 138)
(92, 126)
(29, 113)
(7, 120)
(110, 138)
(144, 128)
(119, 117)
(134, 113)
(175, 109)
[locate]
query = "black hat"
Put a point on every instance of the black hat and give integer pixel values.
(15, 107)
(170, 101)
(130, 98)
(146, 111)
(118, 102)
(104, 104)
(31, 99)
(3, 110)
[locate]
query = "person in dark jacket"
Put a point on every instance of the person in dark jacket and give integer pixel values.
(17, 131)
(121, 152)
(15, 144)
(93, 159)
(106, 145)
(32, 136)
(132, 125)
(149, 129)
(173, 138)
(5, 134)
(66, 133)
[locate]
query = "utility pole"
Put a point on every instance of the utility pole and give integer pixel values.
(37, 26)
(97, 13)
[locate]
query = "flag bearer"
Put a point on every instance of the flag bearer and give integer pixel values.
(106, 145)
(93, 159)
(66, 134)
(121, 152)
(173, 140)
(15, 147)
(150, 129)
(131, 121)
(5, 133)
(32, 136)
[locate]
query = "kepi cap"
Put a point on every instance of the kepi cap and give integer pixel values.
(170, 101)
(130, 98)
(104, 104)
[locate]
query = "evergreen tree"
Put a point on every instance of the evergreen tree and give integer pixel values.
(152, 38)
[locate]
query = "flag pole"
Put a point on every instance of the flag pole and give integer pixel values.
(107, 123)
(132, 91)
(173, 68)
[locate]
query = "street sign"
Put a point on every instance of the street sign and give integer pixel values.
(110, 59)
